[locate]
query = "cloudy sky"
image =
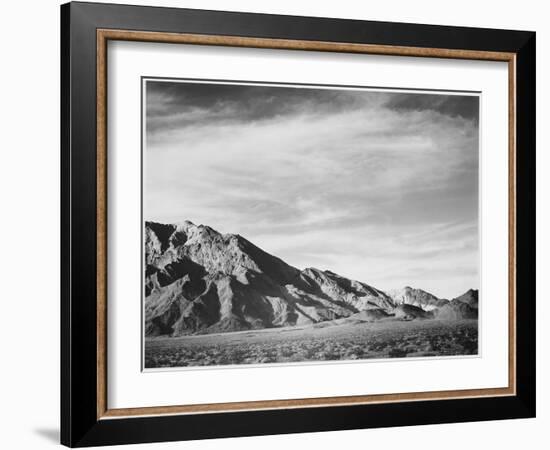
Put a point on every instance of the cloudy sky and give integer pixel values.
(380, 187)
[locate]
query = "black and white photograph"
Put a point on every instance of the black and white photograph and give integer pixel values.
(306, 224)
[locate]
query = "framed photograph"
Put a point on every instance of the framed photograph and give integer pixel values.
(277, 224)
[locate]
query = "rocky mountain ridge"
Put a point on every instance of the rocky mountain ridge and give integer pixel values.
(198, 280)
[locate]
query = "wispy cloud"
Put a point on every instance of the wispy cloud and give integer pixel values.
(380, 187)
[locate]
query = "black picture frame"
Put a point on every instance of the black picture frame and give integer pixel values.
(80, 425)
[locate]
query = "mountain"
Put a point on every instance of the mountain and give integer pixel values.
(416, 297)
(470, 298)
(455, 310)
(462, 307)
(406, 311)
(198, 280)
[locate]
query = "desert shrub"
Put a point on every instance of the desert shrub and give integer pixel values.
(397, 353)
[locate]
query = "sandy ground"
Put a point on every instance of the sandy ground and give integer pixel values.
(321, 342)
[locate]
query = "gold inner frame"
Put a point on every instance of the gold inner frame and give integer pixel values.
(104, 35)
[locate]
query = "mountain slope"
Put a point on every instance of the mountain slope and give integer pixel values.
(463, 307)
(470, 298)
(200, 281)
(416, 297)
(455, 310)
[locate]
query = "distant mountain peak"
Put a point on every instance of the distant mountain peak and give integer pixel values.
(470, 298)
(416, 297)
